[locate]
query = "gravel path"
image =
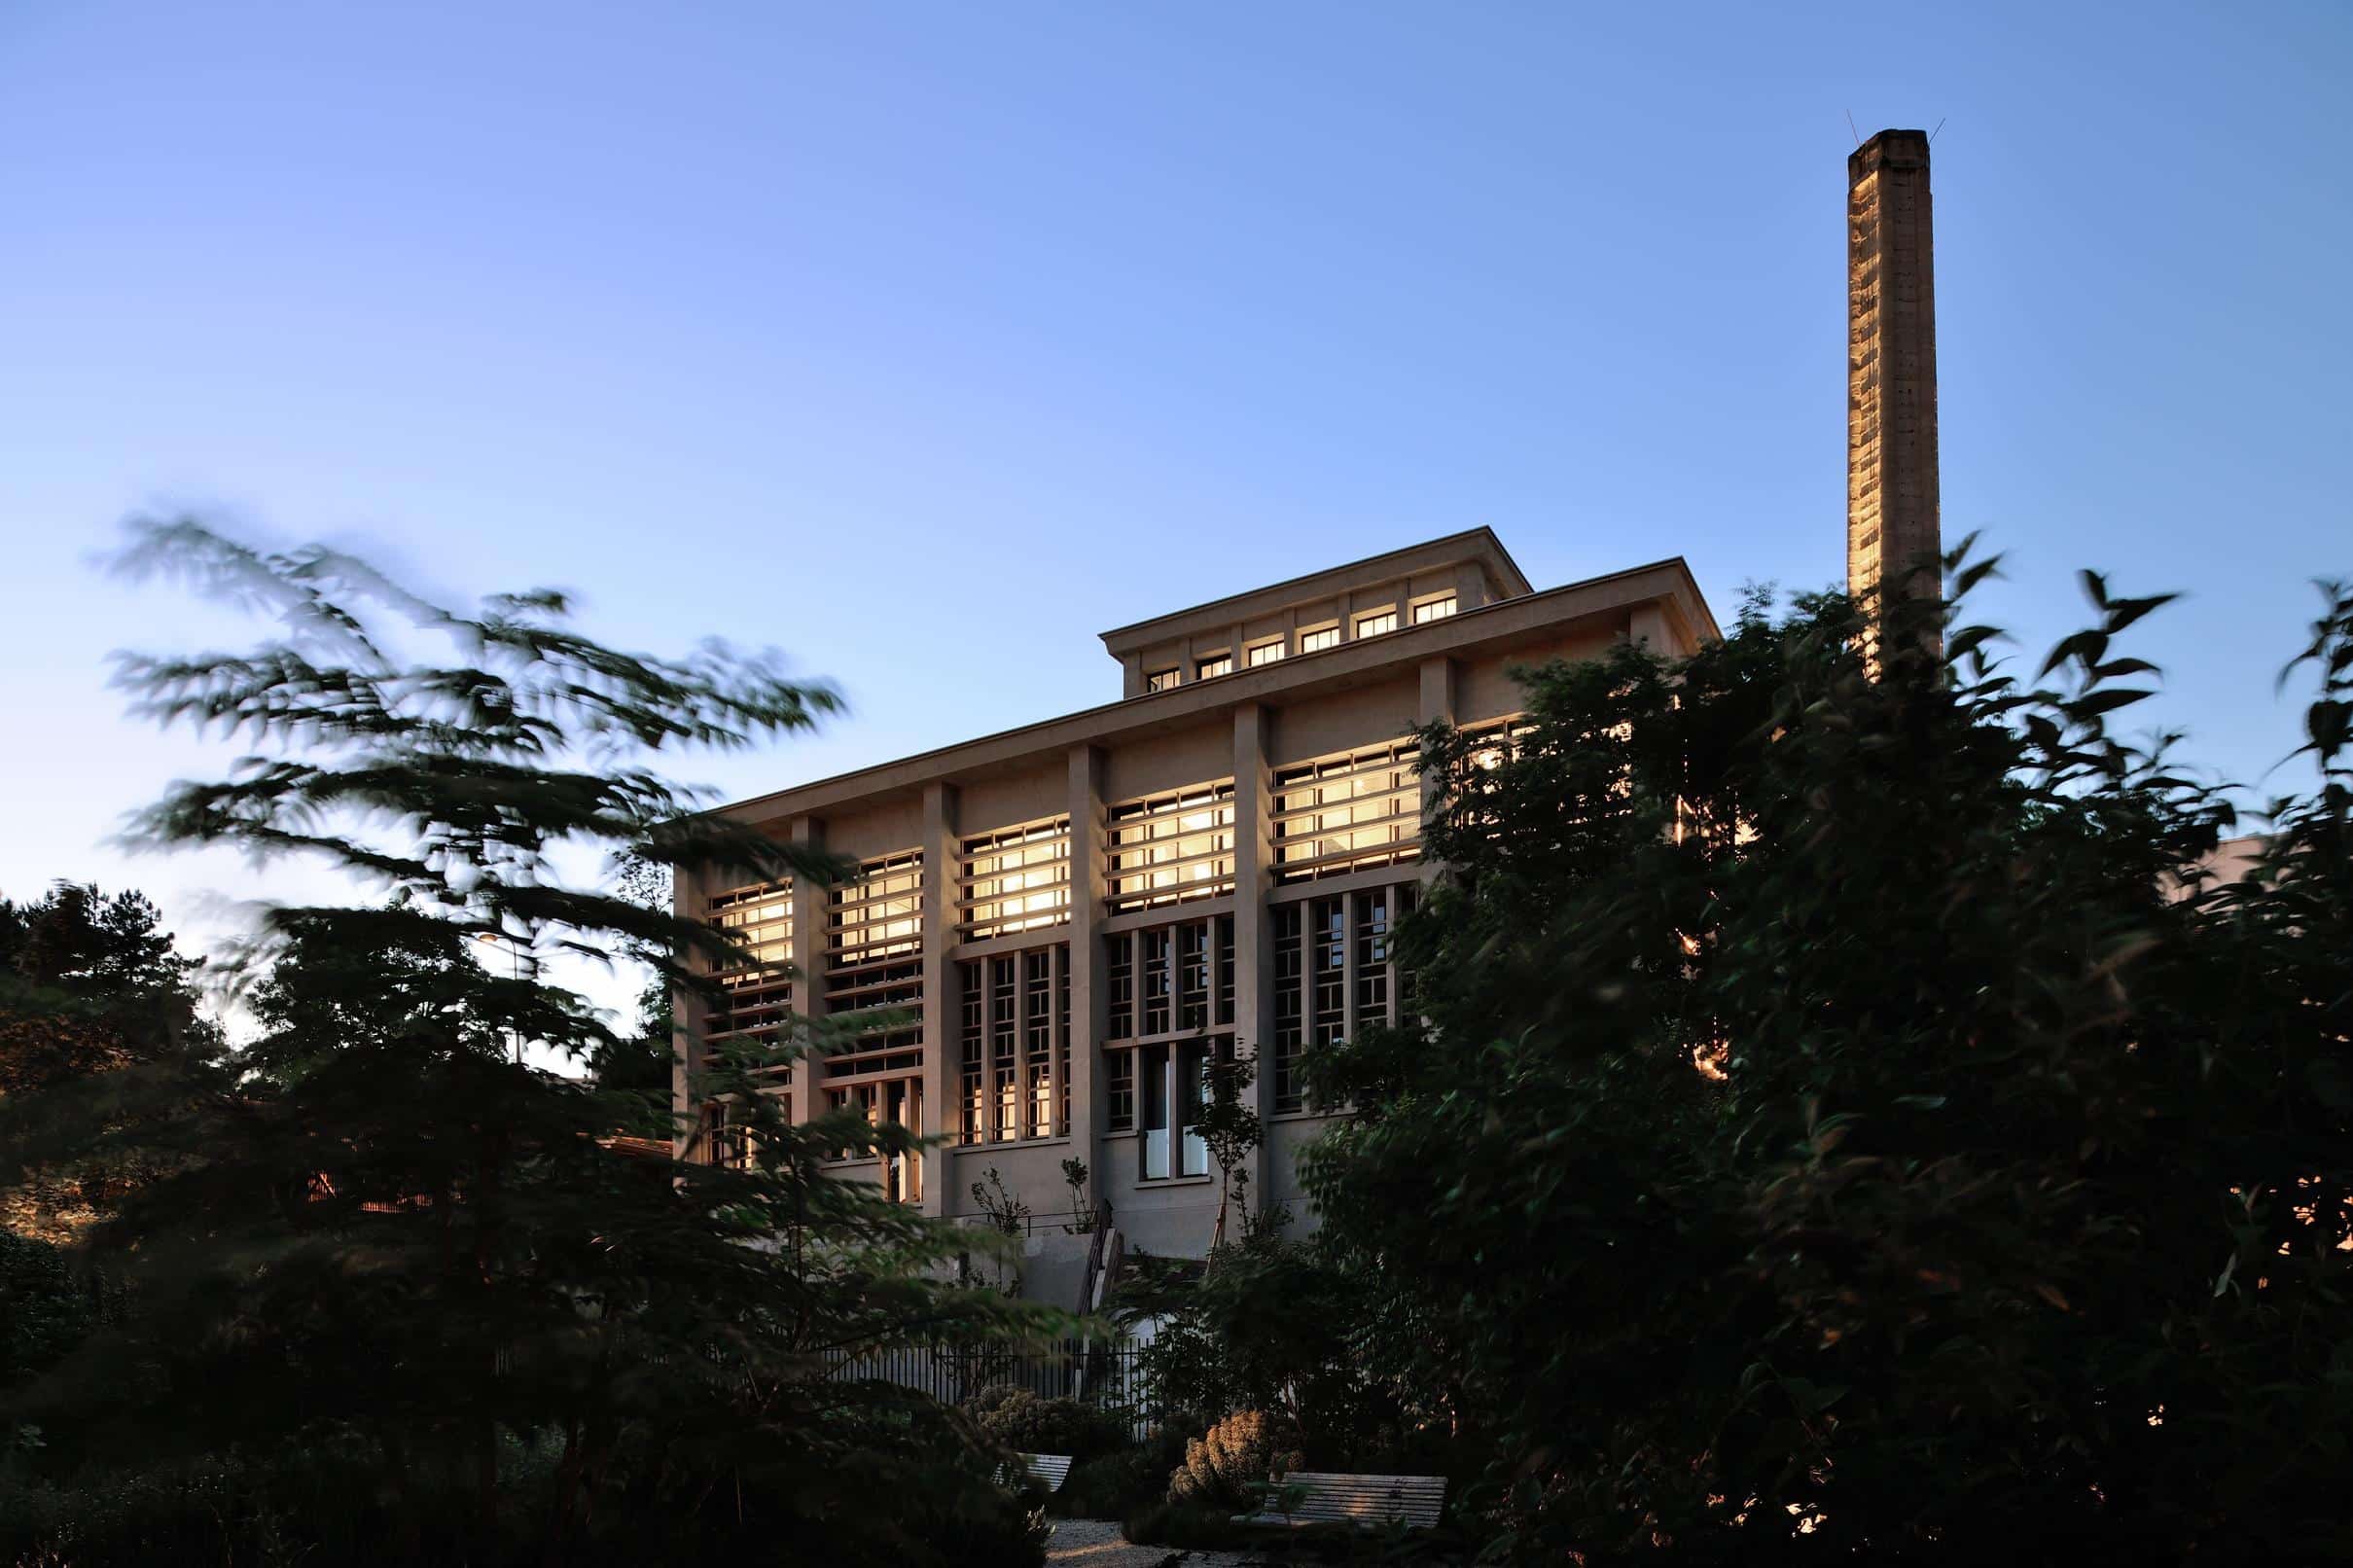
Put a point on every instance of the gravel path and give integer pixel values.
(1098, 1543)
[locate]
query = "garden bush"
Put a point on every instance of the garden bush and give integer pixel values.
(1115, 1486)
(333, 1506)
(1197, 1525)
(1028, 1423)
(1223, 1466)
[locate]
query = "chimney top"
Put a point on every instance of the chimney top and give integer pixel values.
(1889, 149)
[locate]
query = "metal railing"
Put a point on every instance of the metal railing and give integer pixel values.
(1107, 1374)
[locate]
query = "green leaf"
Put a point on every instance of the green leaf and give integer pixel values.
(2095, 703)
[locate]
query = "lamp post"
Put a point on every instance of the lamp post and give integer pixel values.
(515, 957)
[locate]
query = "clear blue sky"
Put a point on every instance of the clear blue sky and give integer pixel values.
(926, 340)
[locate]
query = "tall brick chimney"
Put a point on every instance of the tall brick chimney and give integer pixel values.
(1893, 539)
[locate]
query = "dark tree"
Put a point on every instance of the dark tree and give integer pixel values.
(398, 1236)
(1849, 1121)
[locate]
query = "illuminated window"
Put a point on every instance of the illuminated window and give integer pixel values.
(1264, 653)
(759, 988)
(1213, 666)
(1496, 741)
(1170, 848)
(895, 1102)
(1014, 1047)
(1336, 972)
(1120, 969)
(1188, 979)
(1326, 975)
(1373, 625)
(1347, 812)
(1159, 680)
(1163, 1024)
(1014, 879)
(879, 913)
(1120, 1090)
(874, 965)
(1430, 609)
(1319, 639)
(726, 1142)
(1290, 1026)
(1171, 1079)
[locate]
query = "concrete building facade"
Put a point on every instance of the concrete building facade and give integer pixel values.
(1058, 925)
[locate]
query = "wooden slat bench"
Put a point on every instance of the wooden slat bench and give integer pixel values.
(1324, 1498)
(1048, 1470)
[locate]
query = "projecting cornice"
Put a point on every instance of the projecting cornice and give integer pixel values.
(1598, 605)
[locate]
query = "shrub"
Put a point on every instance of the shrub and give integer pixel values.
(1238, 1453)
(1027, 1424)
(1190, 1526)
(332, 1504)
(1115, 1486)
(43, 1311)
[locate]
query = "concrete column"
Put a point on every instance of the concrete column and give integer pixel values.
(809, 908)
(1090, 998)
(1253, 933)
(1647, 624)
(1437, 703)
(1470, 587)
(941, 868)
(687, 894)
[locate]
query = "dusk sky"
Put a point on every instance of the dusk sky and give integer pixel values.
(926, 342)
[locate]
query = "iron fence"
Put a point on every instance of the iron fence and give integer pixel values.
(1105, 1374)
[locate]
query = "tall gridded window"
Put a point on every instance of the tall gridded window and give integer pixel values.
(1160, 680)
(1170, 848)
(723, 1141)
(1317, 640)
(758, 990)
(875, 966)
(1169, 979)
(1437, 609)
(1346, 813)
(1264, 653)
(1376, 624)
(1171, 1009)
(1014, 879)
(1013, 1047)
(1492, 743)
(898, 1102)
(1336, 972)
(1212, 666)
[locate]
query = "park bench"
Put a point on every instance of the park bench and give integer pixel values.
(1321, 1498)
(1048, 1470)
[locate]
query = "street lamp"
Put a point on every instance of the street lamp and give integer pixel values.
(514, 956)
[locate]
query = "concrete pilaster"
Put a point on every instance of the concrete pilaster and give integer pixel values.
(687, 1021)
(1437, 703)
(810, 906)
(941, 868)
(1090, 999)
(1253, 933)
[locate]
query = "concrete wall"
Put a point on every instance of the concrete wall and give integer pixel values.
(1242, 727)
